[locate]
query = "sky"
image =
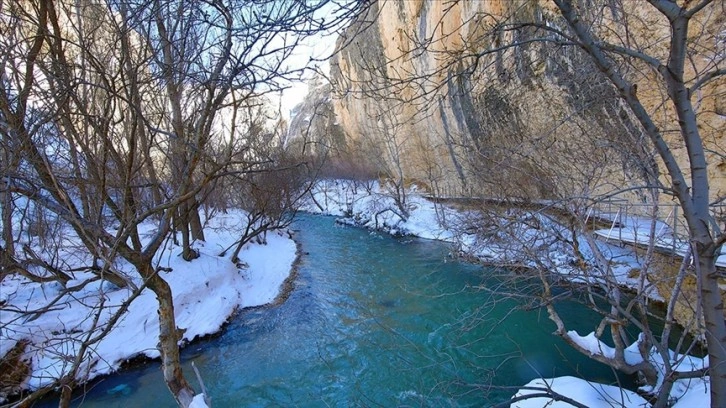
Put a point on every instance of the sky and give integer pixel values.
(317, 47)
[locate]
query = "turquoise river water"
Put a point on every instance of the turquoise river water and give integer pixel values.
(372, 321)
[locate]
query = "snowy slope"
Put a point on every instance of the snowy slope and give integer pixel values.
(207, 291)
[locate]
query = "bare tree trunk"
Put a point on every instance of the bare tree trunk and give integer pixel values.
(195, 222)
(7, 216)
(138, 122)
(188, 253)
(169, 337)
(698, 216)
(693, 199)
(715, 326)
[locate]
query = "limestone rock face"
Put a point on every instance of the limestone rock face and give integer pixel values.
(435, 91)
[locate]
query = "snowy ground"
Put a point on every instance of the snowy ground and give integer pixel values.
(370, 205)
(206, 291)
(636, 230)
(209, 289)
(366, 204)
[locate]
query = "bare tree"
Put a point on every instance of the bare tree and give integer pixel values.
(550, 111)
(111, 111)
(706, 237)
(388, 155)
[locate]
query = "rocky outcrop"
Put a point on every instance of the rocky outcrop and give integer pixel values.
(313, 127)
(435, 90)
(315, 133)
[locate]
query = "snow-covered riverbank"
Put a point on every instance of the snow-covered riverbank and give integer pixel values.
(207, 291)
(369, 205)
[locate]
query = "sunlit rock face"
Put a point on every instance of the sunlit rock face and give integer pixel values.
(435, 89)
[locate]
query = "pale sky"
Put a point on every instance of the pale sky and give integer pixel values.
(319, 46)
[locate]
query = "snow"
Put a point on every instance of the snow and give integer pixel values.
(368, 204)
(590, 394)
(691, 393)
(372, 205)
(592, 344)
(687, 393)
(636, 230)
(206, 291)
(198, 402)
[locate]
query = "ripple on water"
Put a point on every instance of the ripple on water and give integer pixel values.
(372, 320)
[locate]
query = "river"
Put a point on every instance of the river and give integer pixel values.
(372, 321)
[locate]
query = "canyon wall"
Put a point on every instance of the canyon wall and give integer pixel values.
(436, 92)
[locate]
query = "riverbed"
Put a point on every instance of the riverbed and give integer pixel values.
(371, 320)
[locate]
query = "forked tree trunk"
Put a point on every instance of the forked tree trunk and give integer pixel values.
(693, 197)
(188, 253)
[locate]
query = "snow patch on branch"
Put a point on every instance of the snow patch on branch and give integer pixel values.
(592, 344)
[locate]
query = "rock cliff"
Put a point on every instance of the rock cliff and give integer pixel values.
(438, 92)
